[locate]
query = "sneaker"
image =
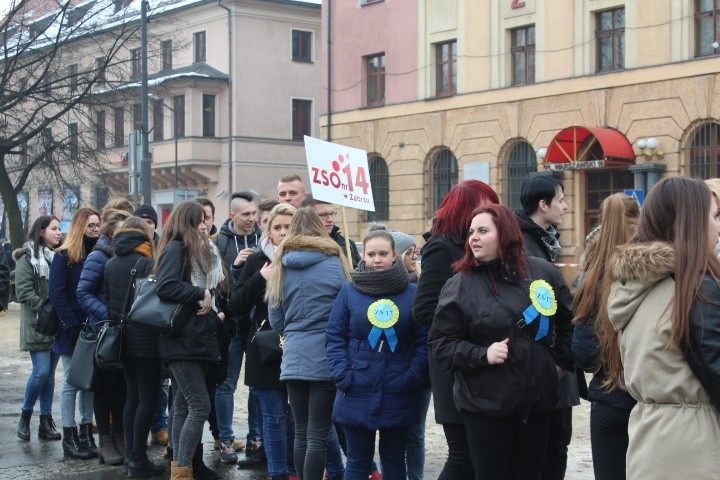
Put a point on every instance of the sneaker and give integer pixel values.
(160, 437)
(375, 476)
(227, 452)
(253, 446)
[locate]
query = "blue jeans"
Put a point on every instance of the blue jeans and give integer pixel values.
(276, 435)
(334, 461)
(415, 449)
(70, 395)
(41, 382)
(191, 407)
(361, 450)
(160, 413)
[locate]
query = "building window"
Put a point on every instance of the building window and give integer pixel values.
(301, 118)
(707, 26)
(23, 154)
(705, 151)
(446, 68)
(135, 63)
(100, 70)
(301, 46)
(137, 116)
(380, 184)
(74, 139)
(600, 184)
(199, 43)
(521, 162)
(166, 46)
(73, 77)
(375, 80)
(158, 120)
(100, 129)
(610, 40)
(443, 176)
(119, 114)
(120, 4)
(523, 55)
(179, 116)
(208, 113)
(48, 144)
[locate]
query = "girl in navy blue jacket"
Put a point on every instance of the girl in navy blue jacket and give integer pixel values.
(378, 358)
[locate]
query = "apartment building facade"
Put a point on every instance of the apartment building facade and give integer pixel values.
(608, 95)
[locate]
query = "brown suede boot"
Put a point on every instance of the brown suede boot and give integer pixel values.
(180, 473)
(107, 453)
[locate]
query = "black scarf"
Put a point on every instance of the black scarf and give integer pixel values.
(380, 282)
(89, 243)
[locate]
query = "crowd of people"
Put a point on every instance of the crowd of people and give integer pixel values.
(345, 347)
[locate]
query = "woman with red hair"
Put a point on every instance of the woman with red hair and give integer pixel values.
(502, 326)
(444, 246)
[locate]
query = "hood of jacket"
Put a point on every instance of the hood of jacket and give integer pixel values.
(251, 240)
(303, 251)
(19, 252)
(635, 269)
(127, 239)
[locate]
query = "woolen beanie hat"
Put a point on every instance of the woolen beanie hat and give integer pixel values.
(403, 241)
(147, 211)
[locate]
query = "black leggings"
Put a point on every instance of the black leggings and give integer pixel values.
(142, 377)
(458, 465)
(506, 448)
(109, 399)
(609, 439)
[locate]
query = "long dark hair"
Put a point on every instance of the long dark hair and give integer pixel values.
(183, 225)
(36, 231)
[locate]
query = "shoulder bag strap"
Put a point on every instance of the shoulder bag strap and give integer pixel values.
(133, 272)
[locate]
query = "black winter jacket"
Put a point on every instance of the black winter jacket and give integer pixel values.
(137, 343)
(438, 255)
(470, 318)
(703, 356)
(198, 339)
(249, 293)
(340, 240)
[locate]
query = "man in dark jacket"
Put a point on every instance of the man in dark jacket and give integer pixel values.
(543, 201)
(239, 237)
(326, 211)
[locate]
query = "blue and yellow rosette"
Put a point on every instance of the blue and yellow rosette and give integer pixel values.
(543, 306)
(383, 315)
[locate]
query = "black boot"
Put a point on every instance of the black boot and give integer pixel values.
(47, 428)
(199, 469)
(87, 441)
(71, 444)
(24, 426)
(140, 465)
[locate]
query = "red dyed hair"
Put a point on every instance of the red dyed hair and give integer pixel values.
(455, 212)
(510, 242)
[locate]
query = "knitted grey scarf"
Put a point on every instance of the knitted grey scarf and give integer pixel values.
(380, 282)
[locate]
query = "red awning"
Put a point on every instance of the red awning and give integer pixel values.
(575, 144)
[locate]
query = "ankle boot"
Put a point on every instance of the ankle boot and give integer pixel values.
(200, 470)
(47, 428)
(24, 426)
(107, 453)
(140, 465)
(87, 441)
(180, 473)
(71, 444)
(118, 439)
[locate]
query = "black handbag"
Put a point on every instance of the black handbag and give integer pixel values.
(48, 321)
(269, 343)
(151, 313)
(81, 373)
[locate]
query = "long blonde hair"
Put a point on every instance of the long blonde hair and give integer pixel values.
(279, 209)
(74, 241)
(306, 233)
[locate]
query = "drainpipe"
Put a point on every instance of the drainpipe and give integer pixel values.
(329, 71)
(230, 98)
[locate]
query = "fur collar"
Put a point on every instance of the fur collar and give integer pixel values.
(311, 243)
(643, 261)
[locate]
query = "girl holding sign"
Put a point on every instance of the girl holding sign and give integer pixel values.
(378, 358)
(502, 326)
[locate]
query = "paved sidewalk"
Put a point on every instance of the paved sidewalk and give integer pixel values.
(42, 459)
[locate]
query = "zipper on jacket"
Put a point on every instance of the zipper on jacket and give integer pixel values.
(380, 347)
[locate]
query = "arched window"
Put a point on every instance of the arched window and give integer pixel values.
(380, 182)
(704, 151)
(521, 162)
(444, 176)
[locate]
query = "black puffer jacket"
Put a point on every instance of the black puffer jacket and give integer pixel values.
(249, 292)
(438, 255)
(198, 339)
(340, 240)
(470, 318)
(137, 343)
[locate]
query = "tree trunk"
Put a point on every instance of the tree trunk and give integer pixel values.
(12, 208)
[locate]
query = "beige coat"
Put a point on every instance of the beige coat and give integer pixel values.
(674, 431)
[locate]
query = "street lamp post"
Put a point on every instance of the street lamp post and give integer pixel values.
(155, 98)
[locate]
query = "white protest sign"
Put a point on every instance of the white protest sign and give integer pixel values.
(339, 174)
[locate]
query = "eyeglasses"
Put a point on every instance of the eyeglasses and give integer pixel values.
(412, 251)
(323, 216)
(93, 226)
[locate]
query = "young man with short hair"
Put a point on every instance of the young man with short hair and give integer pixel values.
(265, 207)
(209, 220)
(291, 189)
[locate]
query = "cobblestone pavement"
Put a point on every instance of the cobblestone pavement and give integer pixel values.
(41, 459)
